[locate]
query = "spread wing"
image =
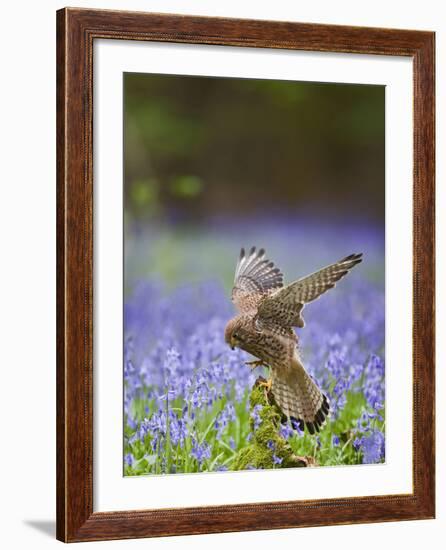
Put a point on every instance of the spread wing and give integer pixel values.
(255, 278)
(284, 306)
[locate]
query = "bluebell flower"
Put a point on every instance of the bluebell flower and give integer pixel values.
(373, 447)
(256, 416)
(286, 431)
(128, 459)
(296, 427)
(131, 422)
(170, 394)
(200, 452)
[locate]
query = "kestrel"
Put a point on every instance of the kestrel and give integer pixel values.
(268, 311)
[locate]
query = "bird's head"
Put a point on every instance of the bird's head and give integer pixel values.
(234, 333)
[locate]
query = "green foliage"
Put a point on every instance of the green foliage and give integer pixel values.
(245, 446)
(186, 186)
(144, 195)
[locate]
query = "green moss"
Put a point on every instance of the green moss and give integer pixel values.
(267, 448)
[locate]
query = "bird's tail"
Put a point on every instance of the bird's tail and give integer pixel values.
(299, 397)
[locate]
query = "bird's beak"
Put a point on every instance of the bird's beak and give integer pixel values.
(232, 343)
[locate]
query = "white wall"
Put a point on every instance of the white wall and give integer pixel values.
(27, 215)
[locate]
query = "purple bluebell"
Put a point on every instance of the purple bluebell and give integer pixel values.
(255, 415)
(128, 459)
(373, 447)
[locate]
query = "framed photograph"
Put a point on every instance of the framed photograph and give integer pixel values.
(245, 275)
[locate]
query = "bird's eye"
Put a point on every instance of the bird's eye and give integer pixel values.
(236, 336)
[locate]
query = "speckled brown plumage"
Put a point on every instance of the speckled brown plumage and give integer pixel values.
(264, 328)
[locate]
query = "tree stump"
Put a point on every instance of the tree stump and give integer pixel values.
(267, 447)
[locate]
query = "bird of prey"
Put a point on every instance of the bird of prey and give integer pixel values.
(268, 311)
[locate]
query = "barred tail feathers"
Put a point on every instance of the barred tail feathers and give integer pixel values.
(299, 397)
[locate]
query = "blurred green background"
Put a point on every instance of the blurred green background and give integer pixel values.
(197, 147)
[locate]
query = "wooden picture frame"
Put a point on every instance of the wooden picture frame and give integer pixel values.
(76, 31)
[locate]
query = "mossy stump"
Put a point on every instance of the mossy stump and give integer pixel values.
(267, 448)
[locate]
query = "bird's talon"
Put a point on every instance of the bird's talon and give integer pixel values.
(255, 364)
(267, 385)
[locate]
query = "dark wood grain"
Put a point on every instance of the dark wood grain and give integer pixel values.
(76, 31)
